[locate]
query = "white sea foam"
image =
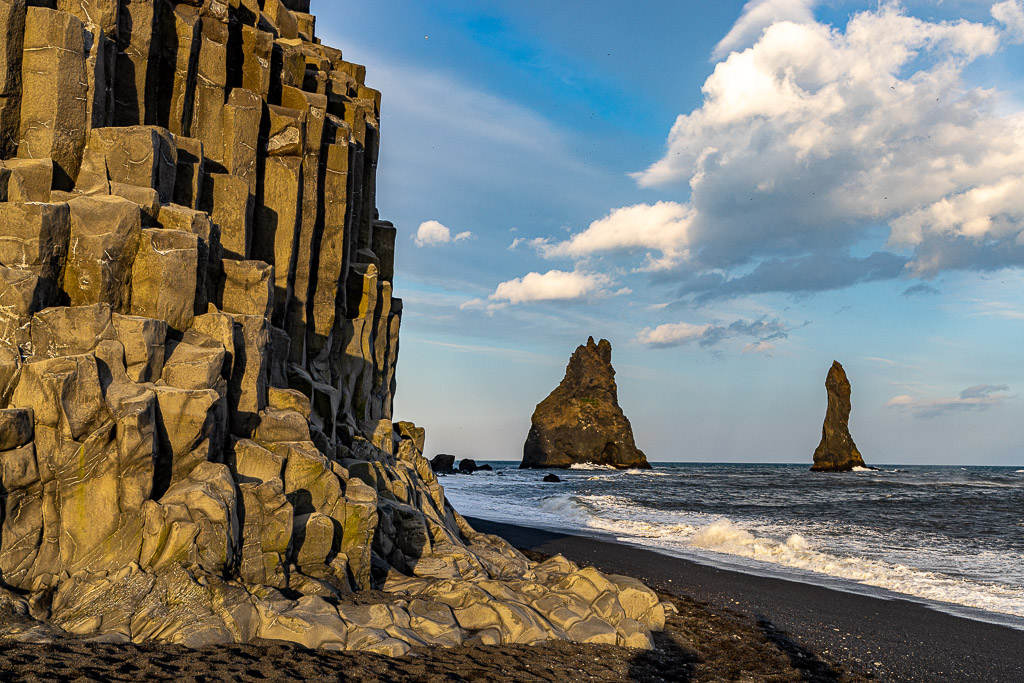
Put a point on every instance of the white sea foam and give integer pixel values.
(858, 468)
(922, 567)
(1020, 471)
(591, 466)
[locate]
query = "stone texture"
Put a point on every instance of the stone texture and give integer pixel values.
(104, 239)
(581, 421)
(35, 238)
(54, 119)
(198, 343)
(837, 452)
(165, 257)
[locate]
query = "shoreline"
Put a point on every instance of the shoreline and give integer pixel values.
(909, 640)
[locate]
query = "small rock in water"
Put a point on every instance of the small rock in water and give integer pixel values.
(442, 463)
(551, 477)
(469, 466)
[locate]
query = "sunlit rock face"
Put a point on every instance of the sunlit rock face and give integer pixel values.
(837, 452)
(198, 343)
(581, 421)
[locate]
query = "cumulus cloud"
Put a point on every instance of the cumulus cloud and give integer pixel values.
(554, 285)
(660, 227)
(433, 234)
(758, 15)
(1010, 14)
(708, 335)
(977, 397)
(814, 137)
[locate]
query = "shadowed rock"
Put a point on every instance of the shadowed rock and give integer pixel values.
(837, 452)
(199, 449)
(580, 421)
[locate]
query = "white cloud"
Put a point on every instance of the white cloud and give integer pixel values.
(660, 227)
(977, 397)
(1010, 14)
(432, 234)
(554, 285)
(757, 16)
(708, 335)
(671, 334)
(812, 137)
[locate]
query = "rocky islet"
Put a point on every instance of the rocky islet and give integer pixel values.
(581, 421)
(198, 343)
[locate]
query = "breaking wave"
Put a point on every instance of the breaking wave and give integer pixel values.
(771, 520)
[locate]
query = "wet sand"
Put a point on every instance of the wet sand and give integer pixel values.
(896, 639)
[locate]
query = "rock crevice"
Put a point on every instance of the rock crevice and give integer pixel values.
(198, 342)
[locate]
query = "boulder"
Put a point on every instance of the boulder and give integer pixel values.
(581, 421)
(551, 477)
(837, 452)
(443, 463)
(469, 466)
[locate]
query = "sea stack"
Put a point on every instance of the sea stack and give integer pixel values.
(837, 452)
(581, 421)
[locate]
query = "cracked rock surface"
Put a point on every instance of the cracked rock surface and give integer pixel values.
(198, 343)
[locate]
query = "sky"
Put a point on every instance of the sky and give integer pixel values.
(733, 193)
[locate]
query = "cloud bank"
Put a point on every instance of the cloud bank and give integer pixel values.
(679, 334)
(978, 397)
(815, 141)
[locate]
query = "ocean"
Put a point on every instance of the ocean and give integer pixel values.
(951, 537)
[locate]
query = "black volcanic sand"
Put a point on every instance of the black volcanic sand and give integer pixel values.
(699, 644)
(894, 639)
(730, 627)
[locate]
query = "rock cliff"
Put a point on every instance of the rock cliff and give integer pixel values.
(198, 343)
(581, 421)
(837, 452)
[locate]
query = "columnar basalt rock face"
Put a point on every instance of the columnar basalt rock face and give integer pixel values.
(198, 343)
(581, 421)
(837, 452)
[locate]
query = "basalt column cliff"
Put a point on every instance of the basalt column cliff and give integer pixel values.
(198, 343)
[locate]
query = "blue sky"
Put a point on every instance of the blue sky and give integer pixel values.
(734, 194)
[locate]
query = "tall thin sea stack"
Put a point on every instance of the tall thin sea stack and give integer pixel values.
(837, 452)
(581, 421)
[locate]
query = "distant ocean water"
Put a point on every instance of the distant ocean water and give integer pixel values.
(949, 536)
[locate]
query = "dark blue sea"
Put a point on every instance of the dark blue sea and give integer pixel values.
(952, 537)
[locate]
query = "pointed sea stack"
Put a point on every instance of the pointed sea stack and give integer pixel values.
(837, 452)
(580, 421)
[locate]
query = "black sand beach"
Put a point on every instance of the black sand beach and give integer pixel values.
(895, 639)
(730, 626)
